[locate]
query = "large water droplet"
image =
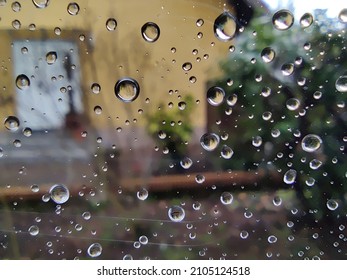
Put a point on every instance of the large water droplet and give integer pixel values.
(341, 84)
(289, 177)
(176, 213)
(226, 198)
(268, 54)
(311, 143)
(127, 89)
(306, 20)
(94, 250)
(51, 57)
(150, 32)
(22, 82)
(343, 15)
(283, 20)
(209, 141)
(34, 230)
(11, 123)
(292, 104)
(111, 24)
(215, 96)
(186, 162)
(225, 26)
(59, 193)
(142, 194)
(332, 204)
(41, 4)
(226, 152)
(73, 8)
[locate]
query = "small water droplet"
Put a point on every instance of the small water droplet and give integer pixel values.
(59, 193)
(34, 188)
(94, 250)
(16, 24)
(215, 96)
(292, 104)
(11, 123)
(244, 234)
(150, 32)
(272, 239)
(97, 110)
(209, 141)
(232, 99)
(73, 8)
(341, 83)
(277, 201)
(311, 143)
(282, 19)
(287, 69)
(306, 20)
(41, 4)
(34, 230)
(57, 31)
(143, 239)
(257, 141)
(182, 105)
(226, 198)
(315, 164)
(86, 215)
(200, 22)
(176, 213)
(186, 162)
(268, 54)
(51, 57)
(343, 15)
(289, 177)
(226, 152)
(332, 204)
(27, 132)
(142, 194)
(267, 116)
(187, 66)
(128, 257)
(16, 6)
(22, 82)
(127, 89)
(225, 27)
(266, 91)
(111, 24)
(192, 79)
(96, 88)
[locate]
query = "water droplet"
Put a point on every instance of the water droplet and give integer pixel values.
(41, 4)
(182, 105)
(150, 32)
(268, 54)
(343, 15)
(161, 134)
(209, 141)
(310, 181)
(143, 239)
(282, 20)
(57, 31)
(186, 162)
(292, 104)
(128, 257)
(277, 201)
(267, 116)
(232, 99)
(215, 96)
(311, 143)
(244, 234)
(16, 6)
(192, 79)
(94, 250)
(187, 66)
(34, 188)
(142, 194)
(73, 8)
(111, 24)
(257, 141)
(200, 22)
(27, 132)
(86, 215)
(11, 123)
(317, 95)
(289, 177)
(315, 164)
(96, 88)
(176, 213)
(59, 193)
(272, 239)
(341, 83)
(306, 20)
(226, 198)
(226, 152)
(266, 91)
(137, 244)
(22, 82)
(34, 230)
(97, 110)
(332, 204)
(225, 27)
(127, 89)
(287, 69)
(199, 178)
(16, 24)
(51, 57)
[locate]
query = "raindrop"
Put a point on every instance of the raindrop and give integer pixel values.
(127, 89)
(142, 194)
(268, 54)
(225, 27)
(226, 152)
(186, 162)
(182, 105)
(226, 198)
(209, 141)
(272, 239)
(57, 31)
(311, 143)
(34, 188)
(150, 32)
(215, 96)
(199, 178)
(143, 239)
(244, 234)
(97, 110)
(266, 91)
(283, 20)
(287, 69)
(17, 143)
(111, 24)
(128, 257)
(187, 66)
(59, 193)
(315, 164)
(257, 141)
(192, 79)
(34, 230)
(51, 57)
(176, 213)
(317, 95)
(11, 123)
(306, 20)
(16, 24)
(16, 6)
(96, 88)
(232, 99)
(292, 104)
(200, 22)
(341, 82)
(27, 132)
(86, 215)
(73, 8)
(266, 116)
(22, 82)
(343, 15)
(332, 204)
(94, 250)
(277, 201)
(289, 177)
(41, 4)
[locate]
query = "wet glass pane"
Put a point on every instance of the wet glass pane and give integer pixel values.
(180, 129)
